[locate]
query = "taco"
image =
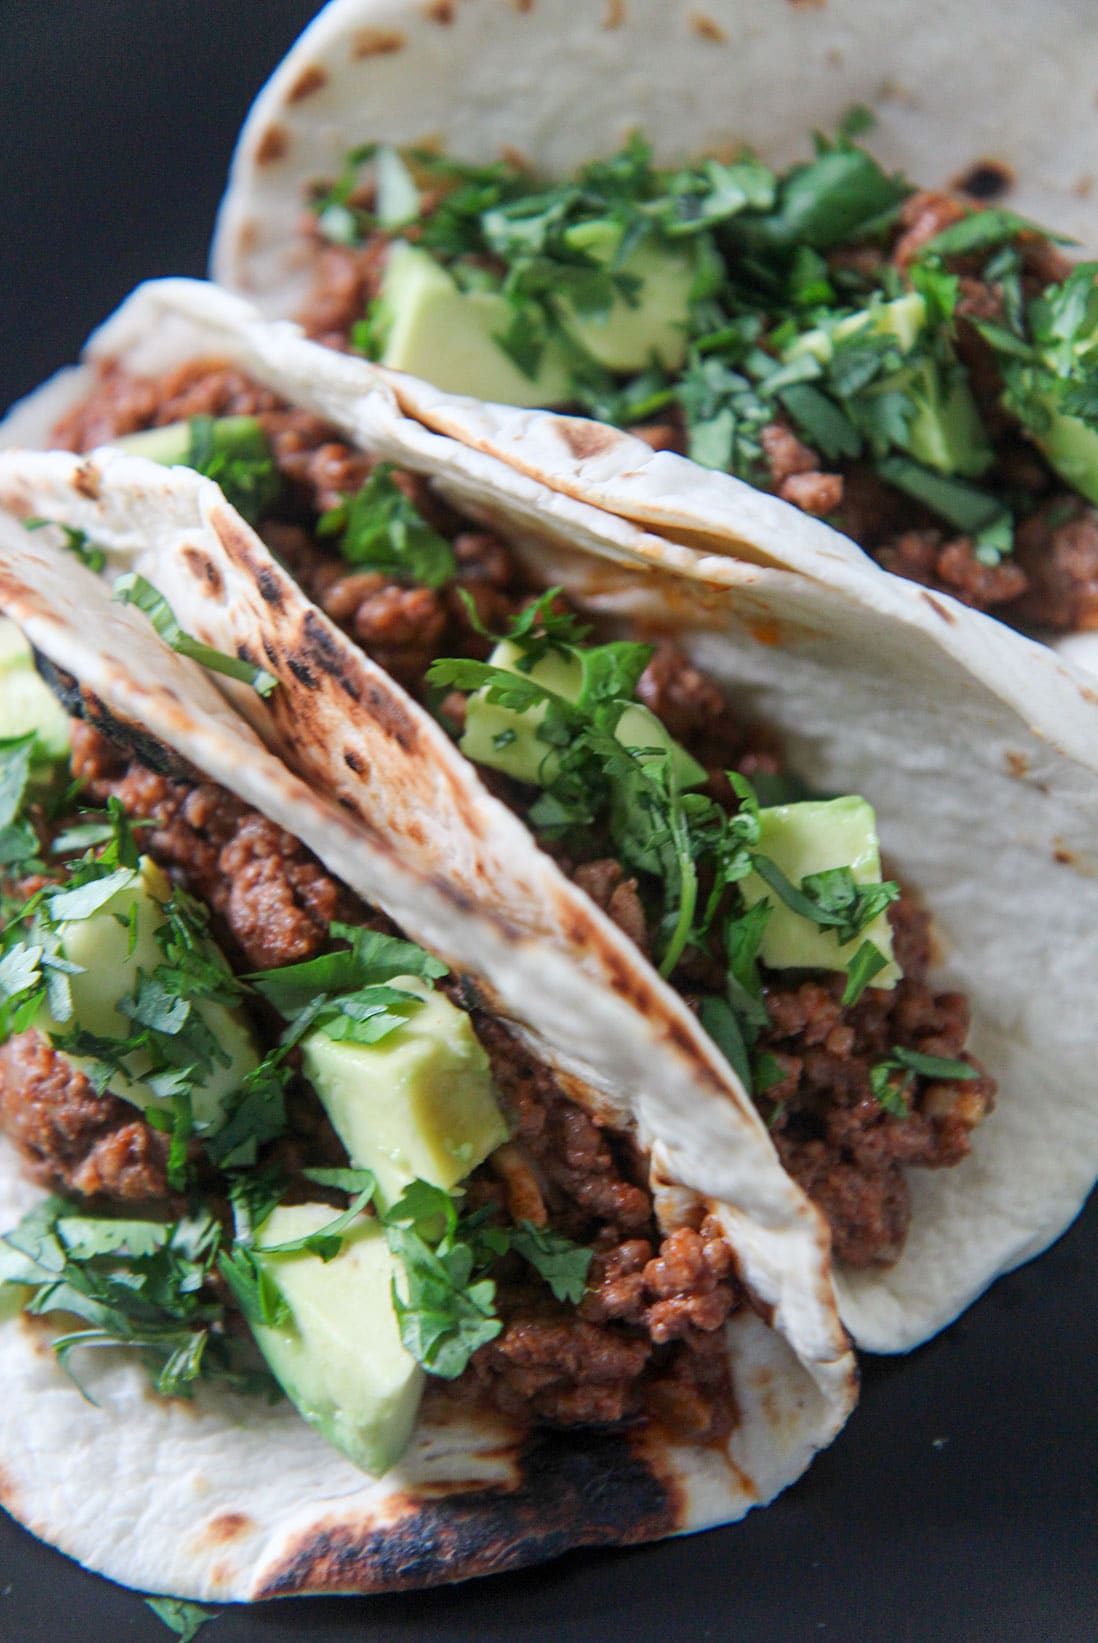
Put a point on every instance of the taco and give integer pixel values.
(984, 796)
(213, 985)
(510, 204)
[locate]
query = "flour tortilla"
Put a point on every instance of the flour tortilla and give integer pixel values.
(978, 749)
(250, 1502)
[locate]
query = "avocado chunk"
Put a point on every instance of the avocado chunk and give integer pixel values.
(434, 330)
(27, 702)
(170, 445)
(629, 334)
(811, 837)
(340, 1358)
(417, 1104)
(102, 944)
(507, 740)
(944, 431)
(1071, 447)
(903, 318)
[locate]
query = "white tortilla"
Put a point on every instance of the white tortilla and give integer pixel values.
(248, 1501)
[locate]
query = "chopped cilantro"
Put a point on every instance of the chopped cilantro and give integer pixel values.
(142, 1286)
(381, 529)
(132, 589)
(235, 452)
(182, 1618)
(891, 1090)
(346, 992)
(981, 229)
(867, 962)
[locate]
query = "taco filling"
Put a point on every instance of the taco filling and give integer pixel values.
(765, 906)
(915, 367)
(245, 1089)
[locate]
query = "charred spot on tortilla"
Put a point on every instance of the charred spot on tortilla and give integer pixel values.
(575, 1490)
(373, 42)
(353, 762)
(940, 610)
(586, 439)
(985, 180)
(312, 79)
(1017, 764)
(202, 568)
(391, 714)
(227, 1527)
(614, 15)
(707, 28)
(270, 590)
(439, 11)
(322, 645)
(88, 481)
(274, 145)
(303, 673)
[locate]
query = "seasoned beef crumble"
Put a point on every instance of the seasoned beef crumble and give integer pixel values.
(844, 1149)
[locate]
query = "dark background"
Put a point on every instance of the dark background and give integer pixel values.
(960, 1505)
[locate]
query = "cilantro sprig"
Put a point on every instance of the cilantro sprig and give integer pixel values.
(381, 529)
(133, 589)
(141, 1285)
(891, 1079)
(687, 849)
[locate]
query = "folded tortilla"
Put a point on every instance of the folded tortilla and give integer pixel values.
(977, 748)
(249, 1501)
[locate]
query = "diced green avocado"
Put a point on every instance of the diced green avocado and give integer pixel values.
(102, 944)
(810, 838)
(340, 1359)
(26, 701)
(946, 432)
(629, 334)
(170, 445)
(903, 318)
(506, 740)
(419, 1104)
(434, 330)
(1071, 447)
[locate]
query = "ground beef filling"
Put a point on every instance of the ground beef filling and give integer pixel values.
(847, 1152)
(647, 1339)
(1052, 580)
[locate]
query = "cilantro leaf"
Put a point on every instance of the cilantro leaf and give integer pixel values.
(867, 962)
(132, 589)
(563, 1264)
(381, 529)
(890, 1091)
(831, 899)
(235, 452)
(183, 1618)
(981, 229)
(443, 1315)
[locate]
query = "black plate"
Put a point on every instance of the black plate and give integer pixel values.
(960, 1504)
